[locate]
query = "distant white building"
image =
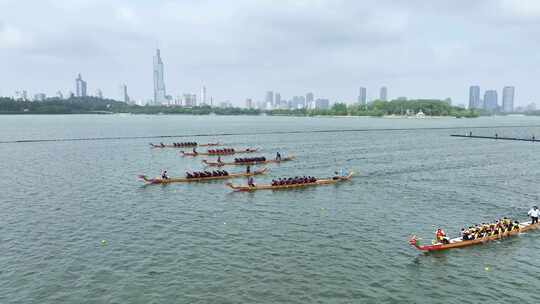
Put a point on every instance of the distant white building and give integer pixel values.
(383, 94)
(322, 104)
(125, 95)
(508, 99)
(249, 103)
(310, 99)
(362, 96)
(189, 100)
(80, 87)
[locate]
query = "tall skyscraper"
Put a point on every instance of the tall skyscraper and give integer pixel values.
(125, 95)
(474, 97)
(203, 95)
(310, 99)
(80, 87)
(490, 100)
(99, 93)
(362, 96)
(249, 103)
(508, 99)
(159, 80)
(269, 99)
(383, 94)
(277, 99)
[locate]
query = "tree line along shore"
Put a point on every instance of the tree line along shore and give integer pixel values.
(94, 105)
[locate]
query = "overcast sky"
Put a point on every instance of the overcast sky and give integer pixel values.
(241, 48)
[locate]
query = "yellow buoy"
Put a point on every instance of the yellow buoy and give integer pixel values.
(486, 268)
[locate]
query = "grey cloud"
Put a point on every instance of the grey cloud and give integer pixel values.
(241, 48)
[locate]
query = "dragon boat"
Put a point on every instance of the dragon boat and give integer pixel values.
(247, 163)
(318, 182)
(159, 180)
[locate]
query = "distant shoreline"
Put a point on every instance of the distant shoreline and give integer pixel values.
(215, 114)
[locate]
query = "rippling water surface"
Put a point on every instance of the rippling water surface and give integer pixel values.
(200, 243)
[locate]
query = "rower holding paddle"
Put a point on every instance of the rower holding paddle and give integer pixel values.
(534, 213)
(440, 236)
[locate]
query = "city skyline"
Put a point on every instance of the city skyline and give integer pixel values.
(113, 42)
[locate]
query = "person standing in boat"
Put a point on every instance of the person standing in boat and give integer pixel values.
(278, 156)
(248, 169)
(534, 213)
(251, 183)
(219, 160)
(164, 174)
(195, 151)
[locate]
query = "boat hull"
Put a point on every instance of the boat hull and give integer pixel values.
(185, 146)
(218, 154)
(160, 181)
(271, 161)
(292, 186)
(458, 243)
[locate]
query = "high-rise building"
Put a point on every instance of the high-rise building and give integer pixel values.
(322, 104)
(125, 95)
(298, 102)
(159, 80)
(310, 99)
(490, 100)
(99, 93)
(249, 103)
(383, 95)
(474, 97)
(362, 96)
(269, 99)
(80, 87)
(277, 99)
(508, 99)
(189, 100)
(203, 95)
(59, 94)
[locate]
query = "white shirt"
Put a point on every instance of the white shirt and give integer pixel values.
(534, 213)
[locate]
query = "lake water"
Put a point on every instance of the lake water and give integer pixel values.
(200, 243)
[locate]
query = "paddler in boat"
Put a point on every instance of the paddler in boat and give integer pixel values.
(162, 145)
(440, 236)
(195, 151)
(534, 213)
(219, 160)
(278, 156)
(251, 183)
